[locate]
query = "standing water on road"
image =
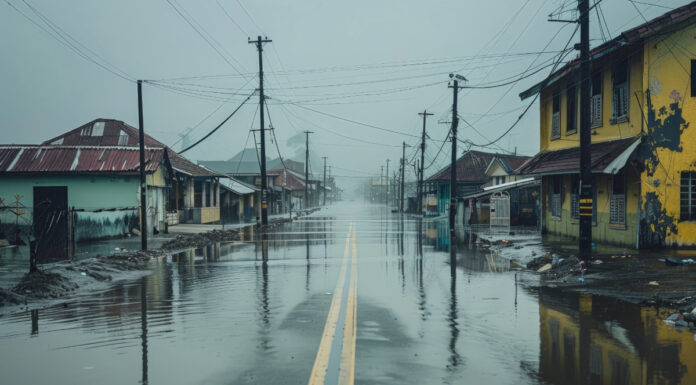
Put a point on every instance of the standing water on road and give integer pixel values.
(352, 292)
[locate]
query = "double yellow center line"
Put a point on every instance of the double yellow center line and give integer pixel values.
(346, 374)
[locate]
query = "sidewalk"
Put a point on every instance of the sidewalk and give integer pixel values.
(190, 228)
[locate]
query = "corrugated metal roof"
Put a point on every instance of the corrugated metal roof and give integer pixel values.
(472, 166)
(288, 179)
(567, 160)
(117, 133)
(76, 159)
(238, 187)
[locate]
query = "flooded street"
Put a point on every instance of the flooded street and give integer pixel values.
(401, 315)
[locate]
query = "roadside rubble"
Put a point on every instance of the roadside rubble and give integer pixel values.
(683, 320)
(201, 239)
(62, 279)
(645, 279)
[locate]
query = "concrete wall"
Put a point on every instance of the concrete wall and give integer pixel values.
(106, 205)
(602, 230)
(608, 130)
(670, 144)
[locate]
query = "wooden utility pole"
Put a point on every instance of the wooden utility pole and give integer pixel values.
(306, 185)
(324, 204)
(143, 181)
(264, 187)
(386, 198)
(425, 115)
(453, 167)
(586, 196)
(381, 179)
(403, 173)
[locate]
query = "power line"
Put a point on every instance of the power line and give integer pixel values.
(339, 134)
(200, 31)
(355, 121)
(70, 42)
(218, 126)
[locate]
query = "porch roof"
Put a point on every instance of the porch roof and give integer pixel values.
(606, 158)
(527, 182)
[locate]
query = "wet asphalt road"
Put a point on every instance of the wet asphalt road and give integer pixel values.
(349, 294)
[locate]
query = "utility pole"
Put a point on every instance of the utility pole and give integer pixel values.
(143, 182)
(323, 157)
(425, 115)
(306, 185)
(264, 188)
(453, 167)
(386, 198)
(403, 173)
(586, 196)
(381, 179)
(333, 187)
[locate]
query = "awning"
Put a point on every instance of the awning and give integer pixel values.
(522, 183)
(236, 186)
(606, 158)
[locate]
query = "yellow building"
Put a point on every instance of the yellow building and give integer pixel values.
(643, 153)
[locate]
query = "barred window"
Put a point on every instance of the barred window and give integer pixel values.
(555, 199)
(572, 109)
(688, 196)
(556, 117)
(596, 103)
(617, 203)
(620, 97)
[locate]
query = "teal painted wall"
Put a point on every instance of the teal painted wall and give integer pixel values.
(84, 193)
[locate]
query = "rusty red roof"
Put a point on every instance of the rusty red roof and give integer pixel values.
(111, 132)
(287, 179)
(16, 159)
(567, 160)
(472, 166)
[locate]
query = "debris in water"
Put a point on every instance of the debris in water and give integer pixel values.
(653, 283)
(544, 268)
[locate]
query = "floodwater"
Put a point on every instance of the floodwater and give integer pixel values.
(403, 314)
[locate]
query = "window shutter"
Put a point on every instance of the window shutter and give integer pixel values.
(596, 109)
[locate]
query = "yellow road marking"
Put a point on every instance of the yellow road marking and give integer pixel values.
(321, 362)
(346, 375)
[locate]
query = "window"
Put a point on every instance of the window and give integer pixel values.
(98, 129)
(620, 99)
(571, 109)
(617, 209)
(688, 196)
(596, 101)
(693, 78)
(122, 138)
(556, 117)
(197, 194)
(555, 200)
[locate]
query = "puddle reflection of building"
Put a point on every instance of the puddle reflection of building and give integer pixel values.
(597, 340)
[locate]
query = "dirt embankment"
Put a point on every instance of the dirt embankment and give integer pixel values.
(59, 280)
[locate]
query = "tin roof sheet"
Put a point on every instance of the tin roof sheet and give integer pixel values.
(76, 159)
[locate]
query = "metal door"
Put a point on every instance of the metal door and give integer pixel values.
(500, 211)
(51, 223)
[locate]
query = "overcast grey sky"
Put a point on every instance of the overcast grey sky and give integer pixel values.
(378, 62)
